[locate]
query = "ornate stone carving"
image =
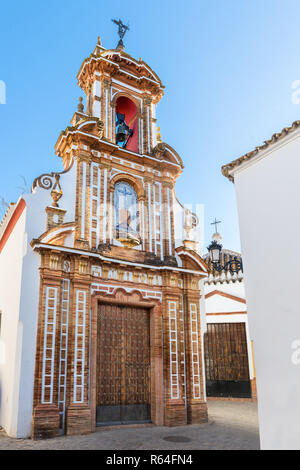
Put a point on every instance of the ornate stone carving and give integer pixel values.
(159, 151)
(147, 101)
(152, 259)
(54, 262)
(67, 265)
(104, 248)
(56, 192)
(83, 267)
(100, 128)
(170, 261)
(106, 83)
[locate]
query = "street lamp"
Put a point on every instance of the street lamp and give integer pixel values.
(234, 265)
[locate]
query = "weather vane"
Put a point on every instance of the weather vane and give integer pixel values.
(122, 30)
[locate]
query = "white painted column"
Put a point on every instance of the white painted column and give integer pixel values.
(83, 195)
(105, 205)
(154, 129)
(95, 186)
(97, 98)
(169, 220)
(150, 216)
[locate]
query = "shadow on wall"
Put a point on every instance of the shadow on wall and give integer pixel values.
(0, 401)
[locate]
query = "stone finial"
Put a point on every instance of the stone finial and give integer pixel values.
(56, 192)
(80, 106)
(99, 43)
(158, 136)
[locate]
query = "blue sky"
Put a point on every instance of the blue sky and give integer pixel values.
(228, 67)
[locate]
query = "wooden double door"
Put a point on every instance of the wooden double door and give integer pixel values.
(123, 365)
(226, 360)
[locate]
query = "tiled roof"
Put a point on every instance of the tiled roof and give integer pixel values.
(6, 218)
(248, 156)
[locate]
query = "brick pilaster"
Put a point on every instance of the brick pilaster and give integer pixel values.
(196, 405)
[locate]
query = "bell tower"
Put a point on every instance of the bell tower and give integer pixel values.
(114, 83)
(121, 97)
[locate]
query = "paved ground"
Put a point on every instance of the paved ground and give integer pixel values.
(232, 425)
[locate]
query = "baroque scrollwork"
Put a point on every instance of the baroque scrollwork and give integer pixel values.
(100, 128)
(49, 180)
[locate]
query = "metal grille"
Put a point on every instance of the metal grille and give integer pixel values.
(226, 360)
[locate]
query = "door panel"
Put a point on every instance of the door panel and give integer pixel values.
(226, 361)
(123, 365)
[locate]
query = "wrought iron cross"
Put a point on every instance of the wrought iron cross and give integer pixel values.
(215, 223)
(122, 30)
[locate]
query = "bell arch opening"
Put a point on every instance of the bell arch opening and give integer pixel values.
(127, 124)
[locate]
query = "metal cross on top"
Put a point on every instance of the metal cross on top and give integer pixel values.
(122, 30)
(215, 223)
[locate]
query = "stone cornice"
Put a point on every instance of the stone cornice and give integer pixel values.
(37, 246)
(122, 66)
(108, 147)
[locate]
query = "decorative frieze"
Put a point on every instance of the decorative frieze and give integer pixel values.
(54, 262)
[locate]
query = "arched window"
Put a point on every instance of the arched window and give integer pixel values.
(126, 213)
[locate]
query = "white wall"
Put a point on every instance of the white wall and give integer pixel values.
(35, 226)
(268, 205)
(234, 288)
(19, 297)
(218, 303)
(11, 329)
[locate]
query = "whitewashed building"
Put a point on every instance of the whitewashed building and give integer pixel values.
(266, 182)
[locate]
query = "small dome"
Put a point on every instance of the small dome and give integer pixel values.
(217, 237)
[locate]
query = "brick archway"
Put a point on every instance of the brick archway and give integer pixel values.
(132, 299)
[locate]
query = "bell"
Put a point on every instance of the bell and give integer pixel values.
(121, 132)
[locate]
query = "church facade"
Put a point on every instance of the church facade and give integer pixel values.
(100, 276)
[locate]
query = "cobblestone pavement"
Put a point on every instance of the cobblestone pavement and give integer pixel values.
(232, 425)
